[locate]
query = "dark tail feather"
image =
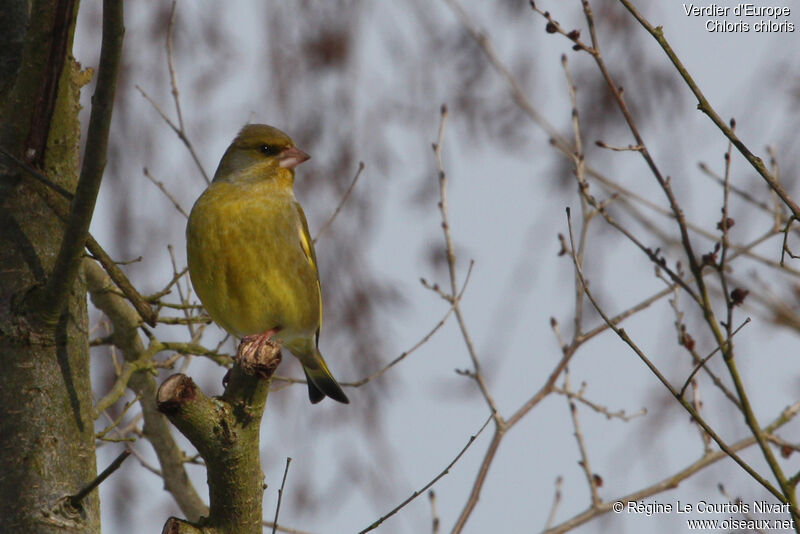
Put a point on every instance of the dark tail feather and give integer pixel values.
(314, 394)
(321, 384)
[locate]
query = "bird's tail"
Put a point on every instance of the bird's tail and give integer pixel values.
(321, 382)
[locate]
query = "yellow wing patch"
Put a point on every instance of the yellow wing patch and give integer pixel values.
(305, 242)
(308, 250)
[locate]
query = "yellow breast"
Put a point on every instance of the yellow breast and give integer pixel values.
(247, 262)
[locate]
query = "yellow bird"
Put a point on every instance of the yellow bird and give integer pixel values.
(251, 258)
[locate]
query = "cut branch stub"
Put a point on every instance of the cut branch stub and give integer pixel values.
(176, 391)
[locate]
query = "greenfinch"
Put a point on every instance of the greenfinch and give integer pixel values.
(251, 258)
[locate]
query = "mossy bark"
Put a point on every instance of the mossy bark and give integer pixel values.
(225, 431)
(47, 449)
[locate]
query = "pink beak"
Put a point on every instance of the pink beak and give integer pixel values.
(291, 157)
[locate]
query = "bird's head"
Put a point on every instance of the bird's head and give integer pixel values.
(259, 151)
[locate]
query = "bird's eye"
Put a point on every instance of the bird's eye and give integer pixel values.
(269, 150)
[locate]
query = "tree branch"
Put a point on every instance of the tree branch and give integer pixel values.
(703, 105)
(156, 429)
(225, 431)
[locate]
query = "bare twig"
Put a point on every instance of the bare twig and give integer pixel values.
(702, 363)
(517, 93)
(629, 148)
(115, 423)
(619, 414)
(480, 479)
(173, 78)
(163, 189)
(686, 405)
(75, 500)
(451, 265)
(784, 246)
(551, 517)
(341, 203)
(414, 347)
(285, 530)
(675, 479)
(584, 463)
(434, 515)
(744, 195)
(703, 105)
(697, 403)
(180, 133)
(557, 140)
(280, 495)
(403, 355)
(422, 490)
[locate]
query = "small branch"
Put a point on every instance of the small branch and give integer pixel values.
(156, 428)
(36, 174)
(551, 517)
(144, 309)
(280, 495)
(629, 148)
(517, 93)
(173, 78)
(179, 129)
(697, 403)
(741, 193)
(195, 319)
(341, 203)
(422, 490)
(573, 35)
(160, 185)
(702, 362)
(619, 414)
(75, 500)
(584, 463)
(155, 297)
(579, 161)
(404, 354)
(435, 523)
(674, 480)
(686, 405)
(704, 106)
(475, 493)
(784, 246)
(451, 265)
(116, 392)
(115, 423)
(187, 312)
(180, 133)
(196, 349)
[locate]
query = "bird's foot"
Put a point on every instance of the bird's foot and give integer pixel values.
(254, 343)
(259, 354)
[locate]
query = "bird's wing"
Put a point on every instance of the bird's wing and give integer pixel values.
(308, 249)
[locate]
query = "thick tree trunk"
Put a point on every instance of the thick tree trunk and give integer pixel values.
(47, 447)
